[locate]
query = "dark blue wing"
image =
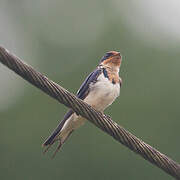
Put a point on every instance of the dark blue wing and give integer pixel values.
(82, 93)
(84, 89)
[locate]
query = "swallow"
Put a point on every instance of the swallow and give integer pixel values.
(99, 90)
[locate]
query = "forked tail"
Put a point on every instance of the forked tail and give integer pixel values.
(58, 135)
(61, 139)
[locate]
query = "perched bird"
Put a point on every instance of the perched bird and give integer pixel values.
(99, 90)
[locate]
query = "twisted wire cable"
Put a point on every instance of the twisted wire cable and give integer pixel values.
(102, 121)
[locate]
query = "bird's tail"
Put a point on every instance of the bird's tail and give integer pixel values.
(61, 137)
(60, 134)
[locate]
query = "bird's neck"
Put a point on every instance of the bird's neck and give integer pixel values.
(112, 73)
(111, 69)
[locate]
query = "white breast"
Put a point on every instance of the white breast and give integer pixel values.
(102, 93)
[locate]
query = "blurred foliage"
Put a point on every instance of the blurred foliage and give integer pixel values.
(66, 39)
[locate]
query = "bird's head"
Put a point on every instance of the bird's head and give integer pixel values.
(112, 59)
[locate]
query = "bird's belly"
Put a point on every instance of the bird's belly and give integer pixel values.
(102, 94)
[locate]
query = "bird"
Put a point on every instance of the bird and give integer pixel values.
(99, 90)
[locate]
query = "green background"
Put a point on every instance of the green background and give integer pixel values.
(65, 40)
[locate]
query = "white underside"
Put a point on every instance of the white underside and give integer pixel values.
(101, 95)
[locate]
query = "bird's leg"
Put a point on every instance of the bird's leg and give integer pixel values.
(108, 116)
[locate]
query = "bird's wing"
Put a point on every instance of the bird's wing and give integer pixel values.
(82, 93)
(84, 88)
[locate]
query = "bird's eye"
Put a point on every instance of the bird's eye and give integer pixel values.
(108, 55)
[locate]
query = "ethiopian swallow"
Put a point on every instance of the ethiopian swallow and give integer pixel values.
(99, 90)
